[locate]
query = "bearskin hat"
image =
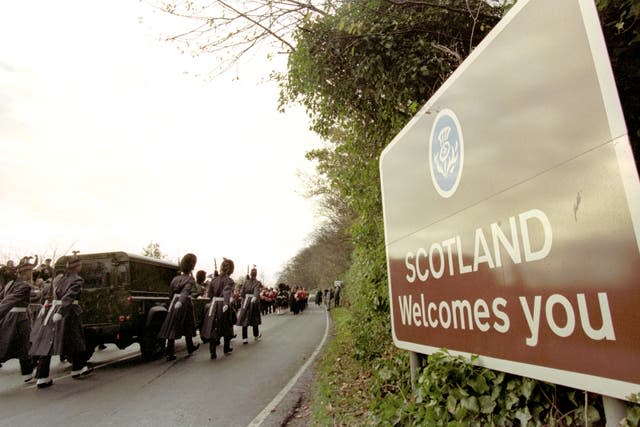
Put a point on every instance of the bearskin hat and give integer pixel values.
(227, 267)
(254, 273)
(188, 263)
(73, 260)
(201, 276)
(25, 264)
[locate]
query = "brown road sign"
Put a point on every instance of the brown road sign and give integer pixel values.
(511, 208)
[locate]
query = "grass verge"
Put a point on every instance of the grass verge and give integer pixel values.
(341, 396)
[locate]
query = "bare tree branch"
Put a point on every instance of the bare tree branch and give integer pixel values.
(232, 29)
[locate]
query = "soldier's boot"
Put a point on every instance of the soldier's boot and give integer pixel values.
(42, 372)
(190, 346)
(44, 382)
(212, 348)
(81, 372)
(171, 349)
(27, 369)
(227, 346)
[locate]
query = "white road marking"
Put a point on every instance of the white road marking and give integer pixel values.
(258, 420)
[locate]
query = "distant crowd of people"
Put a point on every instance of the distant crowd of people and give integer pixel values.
(329, 295)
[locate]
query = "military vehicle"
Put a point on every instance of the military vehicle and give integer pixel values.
(125, 299)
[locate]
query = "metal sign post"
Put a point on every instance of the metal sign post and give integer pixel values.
(614, 411)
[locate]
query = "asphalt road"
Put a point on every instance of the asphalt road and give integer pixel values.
(190, 391)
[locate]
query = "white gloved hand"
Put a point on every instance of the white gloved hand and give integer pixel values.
(254, 298)
(178, 305)
(57, 317)
(225, 308)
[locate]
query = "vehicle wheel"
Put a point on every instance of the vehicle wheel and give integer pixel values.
(151, 347)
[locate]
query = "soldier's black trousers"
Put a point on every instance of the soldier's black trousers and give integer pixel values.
(44, 365)
(245, 330)
(171, 346)
(216, 342)
(26, 365)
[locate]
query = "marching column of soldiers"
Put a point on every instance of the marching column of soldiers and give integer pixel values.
(56, 329)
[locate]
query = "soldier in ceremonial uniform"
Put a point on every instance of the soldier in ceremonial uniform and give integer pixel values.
(7, 274)
(15, 326)
(250, 311)
(199, 289)
(294, 305)
(47, 267)
(59, 330)
(282, 299)
(180, 318)
(219, 316)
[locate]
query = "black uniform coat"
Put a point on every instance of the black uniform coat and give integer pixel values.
(179, 321)
(45, 303)
(14, 327)
(66, 336)
(250, 295)
(218, 323)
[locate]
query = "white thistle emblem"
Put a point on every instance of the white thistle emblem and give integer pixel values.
(446, 153)
(447, 158)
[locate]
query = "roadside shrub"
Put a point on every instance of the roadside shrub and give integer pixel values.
(451, 391)
(367, 293)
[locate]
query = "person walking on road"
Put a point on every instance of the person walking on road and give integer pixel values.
(219, 316)
(180, 318)
(61, 329)
(15, 326)
(250, 311)
(336, 296)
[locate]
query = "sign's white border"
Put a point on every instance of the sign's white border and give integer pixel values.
(604, 386)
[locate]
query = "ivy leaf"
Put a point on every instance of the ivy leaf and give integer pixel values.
(633, 415)
(460, 414)
(479, 385)
(523, 415)
(511, 400)
(470, 403)
(527, 386)
(592, 415)
(487, 404)
(451, 404)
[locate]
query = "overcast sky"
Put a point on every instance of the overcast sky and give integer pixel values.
(106, 144)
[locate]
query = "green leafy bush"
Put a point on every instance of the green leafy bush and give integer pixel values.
(451, 391)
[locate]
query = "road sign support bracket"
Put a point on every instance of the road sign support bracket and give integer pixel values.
(414, 364)
(614, 410)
